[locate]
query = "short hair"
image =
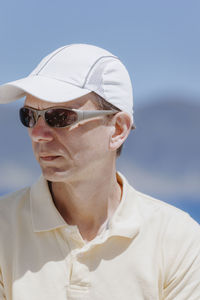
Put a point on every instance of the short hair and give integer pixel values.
(102, 104)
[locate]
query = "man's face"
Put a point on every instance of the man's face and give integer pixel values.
(75, 151)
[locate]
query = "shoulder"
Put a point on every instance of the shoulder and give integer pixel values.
(167, 211)
(157, 205)
(176, 231)
(154, 211)
(12, 199)
(165, 218)
(12, 206)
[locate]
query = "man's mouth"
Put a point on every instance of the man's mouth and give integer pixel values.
(49, 157)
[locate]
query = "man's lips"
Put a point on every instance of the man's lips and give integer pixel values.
(49, 157)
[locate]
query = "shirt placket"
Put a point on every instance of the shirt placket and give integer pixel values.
(77, 273)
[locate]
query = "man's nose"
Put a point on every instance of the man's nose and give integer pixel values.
(41, 132)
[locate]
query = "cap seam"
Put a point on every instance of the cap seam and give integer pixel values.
(106, 56)
(56, 80)
(52, 57)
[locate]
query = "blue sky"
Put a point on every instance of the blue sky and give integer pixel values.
(157, 40)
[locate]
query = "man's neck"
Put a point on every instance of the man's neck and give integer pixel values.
(88, 203)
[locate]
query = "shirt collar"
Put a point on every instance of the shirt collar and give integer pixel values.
(126, 220)
(45, 217)
(44, 214)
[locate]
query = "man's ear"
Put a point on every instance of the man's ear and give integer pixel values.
(121, 126)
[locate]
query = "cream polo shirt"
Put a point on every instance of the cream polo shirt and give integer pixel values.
(150, 251)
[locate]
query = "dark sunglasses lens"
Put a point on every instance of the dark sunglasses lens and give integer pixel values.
(27, 117)
(60, 117)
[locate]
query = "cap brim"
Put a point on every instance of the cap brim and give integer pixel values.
(41, 87)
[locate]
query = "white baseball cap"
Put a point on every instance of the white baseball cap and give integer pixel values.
(71, 72)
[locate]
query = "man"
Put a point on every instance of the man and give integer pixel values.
(81, 231)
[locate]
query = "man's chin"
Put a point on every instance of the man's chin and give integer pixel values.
(55, 175)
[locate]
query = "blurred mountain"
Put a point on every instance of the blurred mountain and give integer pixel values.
(161, 157)
(168, 136)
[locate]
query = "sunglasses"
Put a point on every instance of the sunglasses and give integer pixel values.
(59, 117)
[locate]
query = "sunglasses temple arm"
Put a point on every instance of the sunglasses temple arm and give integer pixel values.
(91, 114)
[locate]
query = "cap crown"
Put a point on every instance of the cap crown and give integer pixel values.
(90, 67)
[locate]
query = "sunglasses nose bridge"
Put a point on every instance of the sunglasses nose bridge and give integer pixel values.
(38, 114)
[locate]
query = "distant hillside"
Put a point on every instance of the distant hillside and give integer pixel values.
(162, 155)
(167, 137)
